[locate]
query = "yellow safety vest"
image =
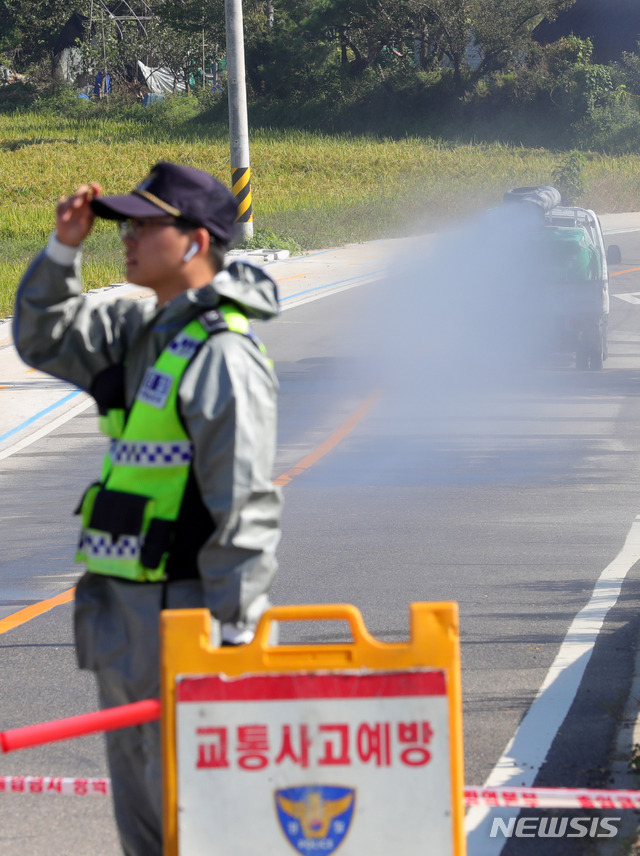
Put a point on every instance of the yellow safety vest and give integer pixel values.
(129, 516)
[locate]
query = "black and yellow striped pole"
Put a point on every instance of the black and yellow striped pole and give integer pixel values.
(238, 119)
(241, 186)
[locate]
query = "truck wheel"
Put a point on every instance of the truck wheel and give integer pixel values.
(582, 357)
(597, 354)
(595, 363)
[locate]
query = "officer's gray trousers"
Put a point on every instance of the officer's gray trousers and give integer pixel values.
(117, 637)
(134, 756)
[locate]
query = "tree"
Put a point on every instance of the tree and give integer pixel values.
(29, 29)
(283, 53)
(451, 24)
(188, 33)
(502, 28)
(496, 30)
(425, 30)
(362, 28)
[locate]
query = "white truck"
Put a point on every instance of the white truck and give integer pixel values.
(574, 291)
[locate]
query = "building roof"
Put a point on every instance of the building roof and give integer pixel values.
(612, 25)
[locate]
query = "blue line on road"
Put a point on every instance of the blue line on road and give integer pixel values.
(323, 287)
(42, 413)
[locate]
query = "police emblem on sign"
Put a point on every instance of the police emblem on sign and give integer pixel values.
(315, 818)
(155, 388)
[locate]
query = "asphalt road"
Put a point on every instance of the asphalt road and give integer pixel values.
(505, 486)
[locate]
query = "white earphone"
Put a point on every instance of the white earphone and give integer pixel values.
(193, 249)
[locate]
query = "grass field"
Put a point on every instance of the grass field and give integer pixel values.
(315, 190)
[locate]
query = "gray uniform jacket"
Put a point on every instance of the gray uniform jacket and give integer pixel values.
(227, 401)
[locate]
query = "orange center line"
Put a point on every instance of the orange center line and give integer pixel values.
(620, 272)
(293, 276)
(330, 443)
(37, 609)
(34, 610)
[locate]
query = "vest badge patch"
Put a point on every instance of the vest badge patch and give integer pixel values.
(315, 818)
(213, 321)
(155, 388)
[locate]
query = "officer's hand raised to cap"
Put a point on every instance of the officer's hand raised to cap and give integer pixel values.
(74, 217)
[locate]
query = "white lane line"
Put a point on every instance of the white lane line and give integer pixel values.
(527, 750)
(46, 429)
(632, 297)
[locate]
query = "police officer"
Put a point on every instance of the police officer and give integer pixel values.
(184, 513)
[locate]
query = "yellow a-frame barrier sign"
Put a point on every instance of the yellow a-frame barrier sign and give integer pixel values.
(276, 749)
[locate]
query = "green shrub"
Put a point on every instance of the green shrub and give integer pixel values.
(613, 128)
(568, 177)
(266, 239)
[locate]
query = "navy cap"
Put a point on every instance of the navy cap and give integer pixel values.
(180, 191)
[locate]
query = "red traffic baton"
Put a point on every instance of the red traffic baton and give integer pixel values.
(77, 726)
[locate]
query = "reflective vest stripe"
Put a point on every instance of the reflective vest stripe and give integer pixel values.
(145, 454)
(101, 545)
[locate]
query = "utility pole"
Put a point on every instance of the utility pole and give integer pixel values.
(238, 120)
